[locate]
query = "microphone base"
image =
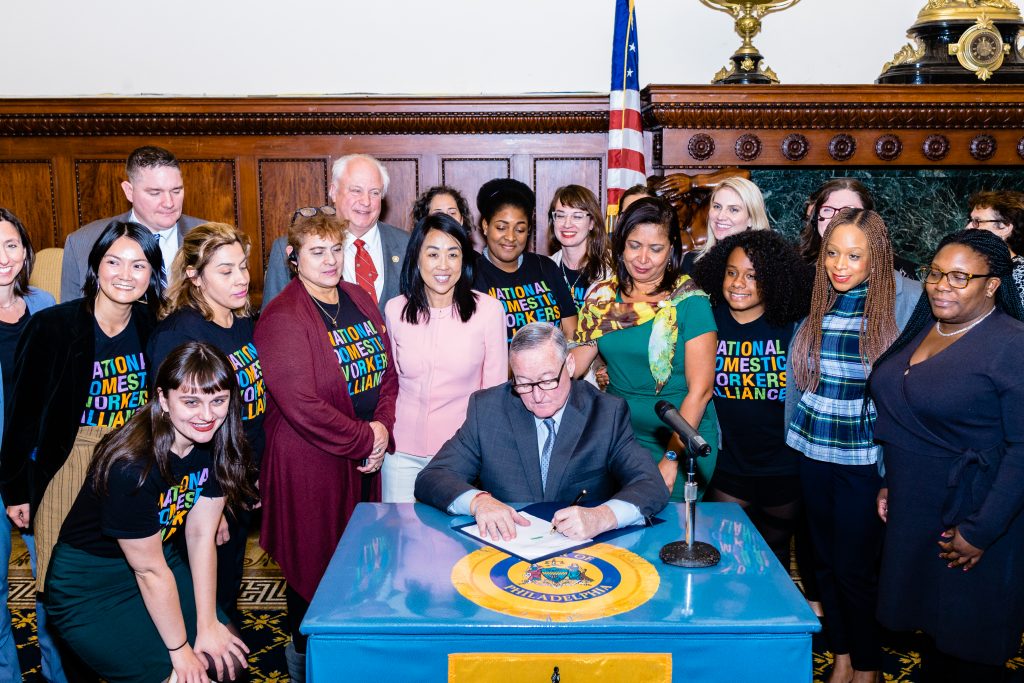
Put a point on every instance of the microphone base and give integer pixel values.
(693, 555)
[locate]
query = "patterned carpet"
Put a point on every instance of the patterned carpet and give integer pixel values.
(265, 632)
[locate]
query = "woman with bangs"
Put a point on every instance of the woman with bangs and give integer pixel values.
(759, 289)
(332, 384)
(530, 286)
(859, 304)
(118, 591)
(653, 326)
(208, 301)
(81, 373)
(448, 341)
(578, 239)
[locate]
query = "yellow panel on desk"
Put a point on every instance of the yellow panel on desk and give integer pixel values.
(608, 667)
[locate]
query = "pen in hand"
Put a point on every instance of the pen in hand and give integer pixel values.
(577, 501)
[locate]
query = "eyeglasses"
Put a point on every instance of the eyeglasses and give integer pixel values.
(575, 216)
(310, 211)
(975, 223)
(957, 279)
(544, 384)
(827, 212)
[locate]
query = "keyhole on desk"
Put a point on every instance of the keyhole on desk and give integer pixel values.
(555, 676)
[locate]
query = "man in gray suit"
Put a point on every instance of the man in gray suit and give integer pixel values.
(156, 192)
(359, 183)
(544, 437)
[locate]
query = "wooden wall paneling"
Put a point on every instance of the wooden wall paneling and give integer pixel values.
(27, 191)
(551, 173)
(286, 185)
(467, 175)
(98, 192)
(403, 190)
(211, 192)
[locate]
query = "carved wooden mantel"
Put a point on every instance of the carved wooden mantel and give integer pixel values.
(700, 127)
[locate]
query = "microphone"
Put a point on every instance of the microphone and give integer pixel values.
(694, 442)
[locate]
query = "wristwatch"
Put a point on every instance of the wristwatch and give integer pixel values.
(671, 456)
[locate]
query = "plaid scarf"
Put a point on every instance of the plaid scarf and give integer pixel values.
(602, 314)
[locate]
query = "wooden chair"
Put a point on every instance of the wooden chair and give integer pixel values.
(46, 271)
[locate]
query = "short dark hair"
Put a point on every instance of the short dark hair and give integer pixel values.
(417, 308)
(148, 156)
(644, 211)
(496, 194)
(638, 189)
(1009, 207)
(21, 281)
(810, 238)
(422, 206)
(150, 248)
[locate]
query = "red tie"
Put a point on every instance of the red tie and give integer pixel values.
(366, 273)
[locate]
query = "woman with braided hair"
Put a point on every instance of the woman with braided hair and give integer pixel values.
(858, 306)
(948, 395)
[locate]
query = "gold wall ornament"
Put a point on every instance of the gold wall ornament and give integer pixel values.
(953, 10)
(747, 65)
(961, 41)
(906, 54)
(981, 49)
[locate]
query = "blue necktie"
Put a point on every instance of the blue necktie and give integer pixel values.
(545, 456)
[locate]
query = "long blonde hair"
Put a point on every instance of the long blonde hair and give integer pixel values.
(753, 202)
(196, 252)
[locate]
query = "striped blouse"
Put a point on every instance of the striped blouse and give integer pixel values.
(828, 424)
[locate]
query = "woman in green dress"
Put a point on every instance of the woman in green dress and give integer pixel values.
(654, 328)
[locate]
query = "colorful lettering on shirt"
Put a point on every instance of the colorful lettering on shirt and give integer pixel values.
(117, 390)
(751, 370)
(246, 363)
(178, 500)
(527, 304)
(361, 355)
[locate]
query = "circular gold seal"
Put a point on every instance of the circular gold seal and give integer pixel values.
(600, 581)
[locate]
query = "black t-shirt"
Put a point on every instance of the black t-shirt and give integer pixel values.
(127, 510)
(750, 396)
(236, 343)
(577, 283)
(9, 335)
(360, 349)
(118, 386)
(535, 293)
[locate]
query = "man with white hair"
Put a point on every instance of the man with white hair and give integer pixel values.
(374, 251)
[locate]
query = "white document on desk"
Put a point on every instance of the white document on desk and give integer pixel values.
(531, 542)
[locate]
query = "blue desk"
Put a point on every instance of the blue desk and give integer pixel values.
(386, 608)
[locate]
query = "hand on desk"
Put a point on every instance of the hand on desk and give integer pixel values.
(580, 522)
(495, 519)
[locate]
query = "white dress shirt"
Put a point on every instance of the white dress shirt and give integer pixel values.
(168, 240)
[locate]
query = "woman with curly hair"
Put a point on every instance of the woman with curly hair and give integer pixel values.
(446, 200)
(949, 393)
(858, 307)
(759, 289)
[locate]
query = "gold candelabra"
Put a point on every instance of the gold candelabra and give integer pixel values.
(747, 65)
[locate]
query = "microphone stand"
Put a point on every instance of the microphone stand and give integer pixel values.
(690, 553)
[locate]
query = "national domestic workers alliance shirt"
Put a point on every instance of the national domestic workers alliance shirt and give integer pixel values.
(128, 510)
(358, 344)
(535, 293)
(118, 386)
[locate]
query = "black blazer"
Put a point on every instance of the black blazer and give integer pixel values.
(496, 451)
(54, 362)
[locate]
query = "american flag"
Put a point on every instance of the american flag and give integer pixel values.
(626, 166)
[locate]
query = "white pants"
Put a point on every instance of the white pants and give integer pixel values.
(398, 476)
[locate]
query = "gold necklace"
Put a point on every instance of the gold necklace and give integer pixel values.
(337, 310)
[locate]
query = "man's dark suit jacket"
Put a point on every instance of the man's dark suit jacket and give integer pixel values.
(79, 243)
(496, 450)
(393, 242)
